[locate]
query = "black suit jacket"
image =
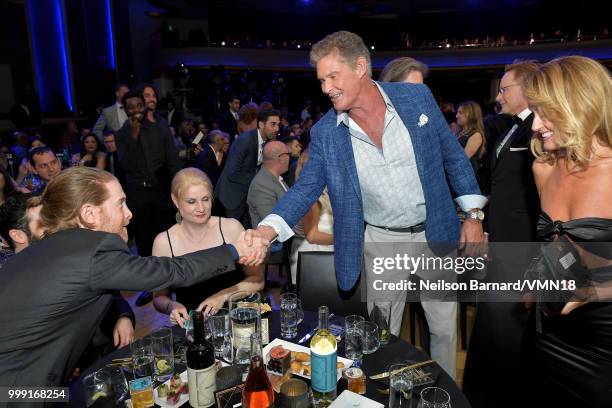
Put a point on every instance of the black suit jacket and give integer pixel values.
(514, 204)
(175, 120)
(239, 170)
(55, 293)
(229, 125)
(495, 126)
(207, 162)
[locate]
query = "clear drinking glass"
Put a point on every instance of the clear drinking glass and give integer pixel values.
(221, 331)
(400, 387)
(241, 352)
(245, 313)
(434, 397)
(118, 383)
(143, 361)
(289, 315)
(381, 315)
(96, 386)
(163, 351)
(371, 339)
(300, 312)
(353, 336)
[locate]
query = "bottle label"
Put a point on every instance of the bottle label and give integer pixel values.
(141, 384)
(324, 373)
(201, 387)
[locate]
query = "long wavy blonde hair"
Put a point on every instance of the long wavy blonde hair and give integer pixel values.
(473, 115)
(575, 94)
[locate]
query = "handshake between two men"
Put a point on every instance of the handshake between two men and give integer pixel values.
(253, 245)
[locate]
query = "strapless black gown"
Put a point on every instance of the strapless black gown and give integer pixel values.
(571, 359)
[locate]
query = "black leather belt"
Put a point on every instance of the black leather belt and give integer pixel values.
(413, 230)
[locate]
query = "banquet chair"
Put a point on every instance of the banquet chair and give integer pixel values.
(317, 286)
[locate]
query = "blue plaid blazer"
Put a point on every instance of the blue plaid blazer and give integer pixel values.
(439, 158)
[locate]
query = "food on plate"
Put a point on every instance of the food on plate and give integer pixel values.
(172, 392)
(300, 356)
(279, 360)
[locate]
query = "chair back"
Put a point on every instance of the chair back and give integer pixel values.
(317, 285)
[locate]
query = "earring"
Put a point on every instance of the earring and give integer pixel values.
(178, 217)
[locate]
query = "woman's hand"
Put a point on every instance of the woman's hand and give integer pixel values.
(85, 159)
(123, 333)
(212, 304)
(24, 169)
(179, 314)
(592, 292)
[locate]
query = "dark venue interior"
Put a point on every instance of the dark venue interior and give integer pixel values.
(261, 185)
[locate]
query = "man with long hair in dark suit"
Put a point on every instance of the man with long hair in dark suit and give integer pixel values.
(55, 293)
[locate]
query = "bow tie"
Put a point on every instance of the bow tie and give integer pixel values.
(517, 120)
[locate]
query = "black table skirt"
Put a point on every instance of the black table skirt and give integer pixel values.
(396, 351)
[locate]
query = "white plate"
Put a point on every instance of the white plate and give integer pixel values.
(350, 399)
(296, 347)
(163, 402)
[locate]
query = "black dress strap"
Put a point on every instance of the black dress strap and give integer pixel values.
(221, 231)
(170, 243)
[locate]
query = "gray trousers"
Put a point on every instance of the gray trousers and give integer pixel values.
(441, 315)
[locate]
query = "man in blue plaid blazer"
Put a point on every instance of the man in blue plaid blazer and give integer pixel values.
(385, 153)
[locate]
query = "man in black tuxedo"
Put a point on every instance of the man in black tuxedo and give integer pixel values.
(245, 156)
(228, 122)
(514, 207)
(55, 293)
(514, 204)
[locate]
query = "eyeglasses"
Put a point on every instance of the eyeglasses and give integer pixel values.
(502, 90)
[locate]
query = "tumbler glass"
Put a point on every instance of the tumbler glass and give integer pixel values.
(353, 335)
(371, 339)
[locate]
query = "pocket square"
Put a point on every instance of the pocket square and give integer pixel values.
(518, 149)
(423, 119)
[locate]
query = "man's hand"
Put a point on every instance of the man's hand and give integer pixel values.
(471, 240)
(252, 252)
(264, 231)
(123, 333)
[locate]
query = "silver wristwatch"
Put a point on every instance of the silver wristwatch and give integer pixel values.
(475, 214)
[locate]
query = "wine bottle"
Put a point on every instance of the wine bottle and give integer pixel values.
(258, 391)
(323, 360)
(201, 374)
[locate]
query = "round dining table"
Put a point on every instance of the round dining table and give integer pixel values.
(396, 351)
